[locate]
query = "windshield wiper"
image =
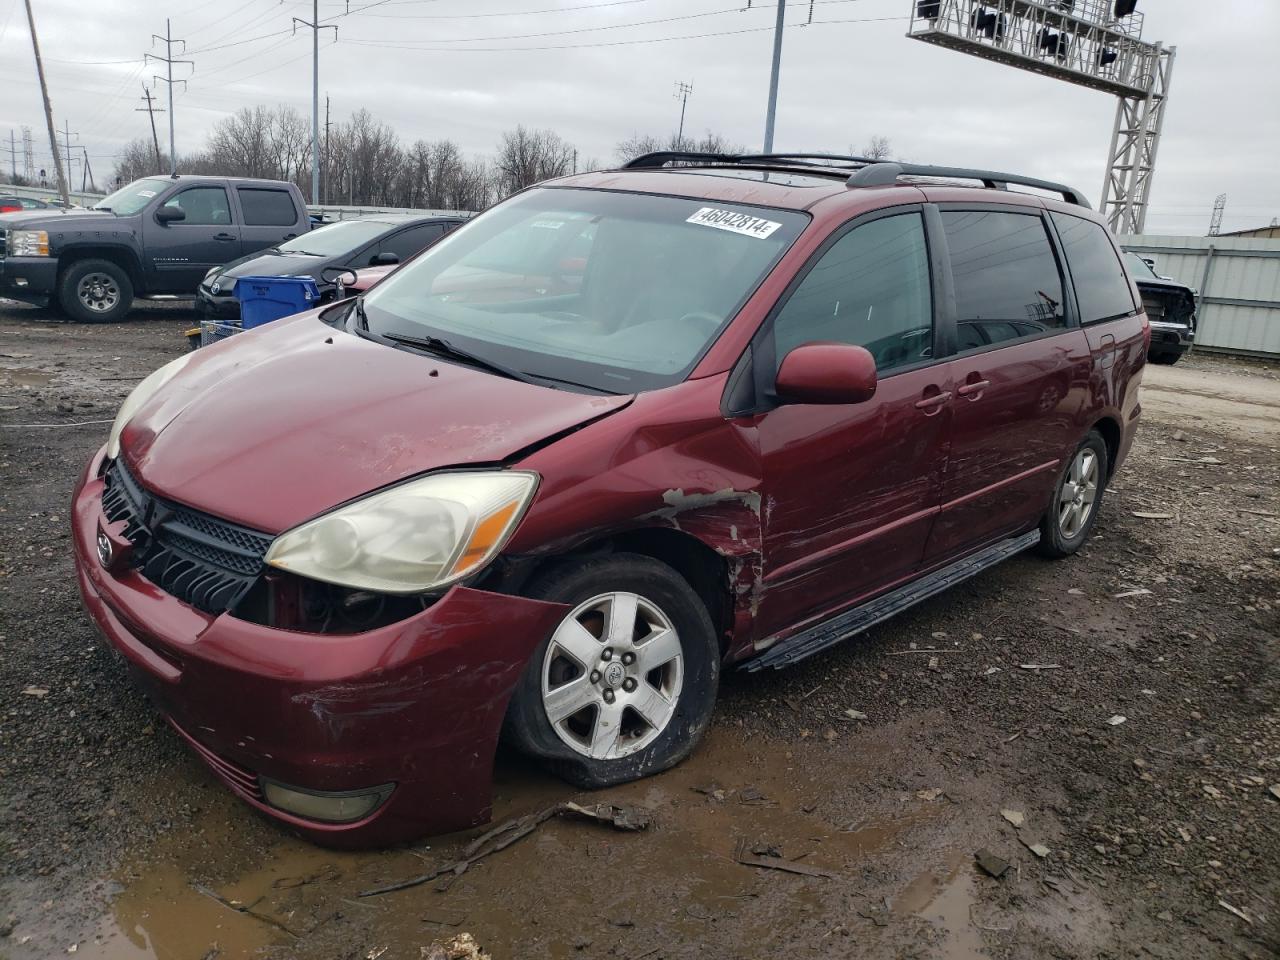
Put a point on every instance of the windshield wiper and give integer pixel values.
(444, 348)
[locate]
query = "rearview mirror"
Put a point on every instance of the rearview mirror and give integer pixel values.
(825, 372)
(383, 259)
(170, 214)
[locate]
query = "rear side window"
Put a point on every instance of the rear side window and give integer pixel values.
(1102, 290)
(1006, 277)
(871, 289)
(267, 208)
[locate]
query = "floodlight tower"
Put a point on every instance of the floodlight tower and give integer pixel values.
(1093, 43)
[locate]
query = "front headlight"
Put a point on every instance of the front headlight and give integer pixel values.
(28, 243)
(415, 537)
(140, 395)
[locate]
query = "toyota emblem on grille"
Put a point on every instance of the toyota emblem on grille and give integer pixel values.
(104, 549)
(216, 288)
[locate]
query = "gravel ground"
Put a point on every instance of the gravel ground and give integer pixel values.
(1161, 832)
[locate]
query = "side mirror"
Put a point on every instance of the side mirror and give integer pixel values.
(383, 259)
(170, 214)
(827, 373)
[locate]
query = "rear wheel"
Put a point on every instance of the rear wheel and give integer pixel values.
(95, 291)
(626, 683)
(1165, 357)
(1077, 499)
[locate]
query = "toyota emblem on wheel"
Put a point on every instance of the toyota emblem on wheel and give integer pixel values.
(104, 549)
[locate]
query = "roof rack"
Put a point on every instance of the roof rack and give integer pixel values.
(866, 172)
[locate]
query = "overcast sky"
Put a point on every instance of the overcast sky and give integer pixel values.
(468, 69)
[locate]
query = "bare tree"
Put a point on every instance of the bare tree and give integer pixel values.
(526, 157)
(637, 145)
(877, 148)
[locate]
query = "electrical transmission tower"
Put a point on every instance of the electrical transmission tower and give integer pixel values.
(1092, 43)
(1219, 208)
(682, 94)
(28, 156)
(168, 60)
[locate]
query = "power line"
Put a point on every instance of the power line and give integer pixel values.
(316, 26)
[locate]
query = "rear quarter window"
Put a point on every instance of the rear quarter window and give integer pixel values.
(1102, 289)
(267, 208)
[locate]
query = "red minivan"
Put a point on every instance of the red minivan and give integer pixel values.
(619, 433)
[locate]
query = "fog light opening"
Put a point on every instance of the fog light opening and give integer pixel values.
(328, 806)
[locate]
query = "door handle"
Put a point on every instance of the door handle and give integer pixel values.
(224, 236)
(931, 405)
(973, 390)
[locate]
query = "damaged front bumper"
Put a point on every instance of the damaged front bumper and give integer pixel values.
(408, 714)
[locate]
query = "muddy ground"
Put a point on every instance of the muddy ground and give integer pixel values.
(1160, 834)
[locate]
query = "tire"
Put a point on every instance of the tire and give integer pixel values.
(1064, 528)
(1165, 358)
(661, 713)
(95, 291)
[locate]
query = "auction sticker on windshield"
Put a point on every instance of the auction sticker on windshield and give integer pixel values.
(735, 222)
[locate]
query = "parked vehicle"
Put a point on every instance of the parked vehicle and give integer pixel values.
(9, 204)
(157, 237)
(1170, 307)
(766, 404)
(381, 240)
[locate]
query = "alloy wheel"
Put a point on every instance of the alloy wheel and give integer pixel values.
(612, 675)
(1078, 494)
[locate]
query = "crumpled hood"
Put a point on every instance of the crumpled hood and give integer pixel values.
(279, 424)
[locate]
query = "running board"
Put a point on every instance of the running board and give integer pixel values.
(830, 632)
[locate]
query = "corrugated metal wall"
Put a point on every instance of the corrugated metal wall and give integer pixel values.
(1239, 283)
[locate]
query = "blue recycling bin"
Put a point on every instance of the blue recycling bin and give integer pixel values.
(263, 299)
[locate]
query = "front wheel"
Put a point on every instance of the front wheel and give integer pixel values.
(1076, 500)
(625, 685)
(95, 291)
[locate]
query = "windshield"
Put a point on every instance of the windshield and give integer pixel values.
(616, 292)
(337, 239)
(1139, 267)
(129, 200)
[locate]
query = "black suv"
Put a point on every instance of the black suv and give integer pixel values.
(157, 237)
(1171, 308)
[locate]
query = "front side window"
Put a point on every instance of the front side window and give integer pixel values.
(203, 206)
(1102, 289)
(408, 242)
(610, 291)
(1006, 277)
(871, 289)
(267, 208)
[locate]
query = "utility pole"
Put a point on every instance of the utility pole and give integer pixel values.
(66, 143)
(326, 148)
(151, 112)
(773, 76)
(682, 94)
(169, 61)
(88, 172)
(48, 112)
(316, 26)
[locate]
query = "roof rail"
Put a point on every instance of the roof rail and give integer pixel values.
(868, 173)
(882, 174)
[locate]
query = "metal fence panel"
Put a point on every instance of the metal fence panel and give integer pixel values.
(1239, 283)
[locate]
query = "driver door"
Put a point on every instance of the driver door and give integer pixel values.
(852, 490)
(183, 251)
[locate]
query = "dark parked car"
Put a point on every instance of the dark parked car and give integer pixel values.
(11, 204)
(157, 237)
(378, 240)
(1171, 308)
(764, 405)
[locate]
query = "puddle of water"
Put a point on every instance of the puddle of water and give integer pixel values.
(945, 900)
(29, 378)
(677, 883)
